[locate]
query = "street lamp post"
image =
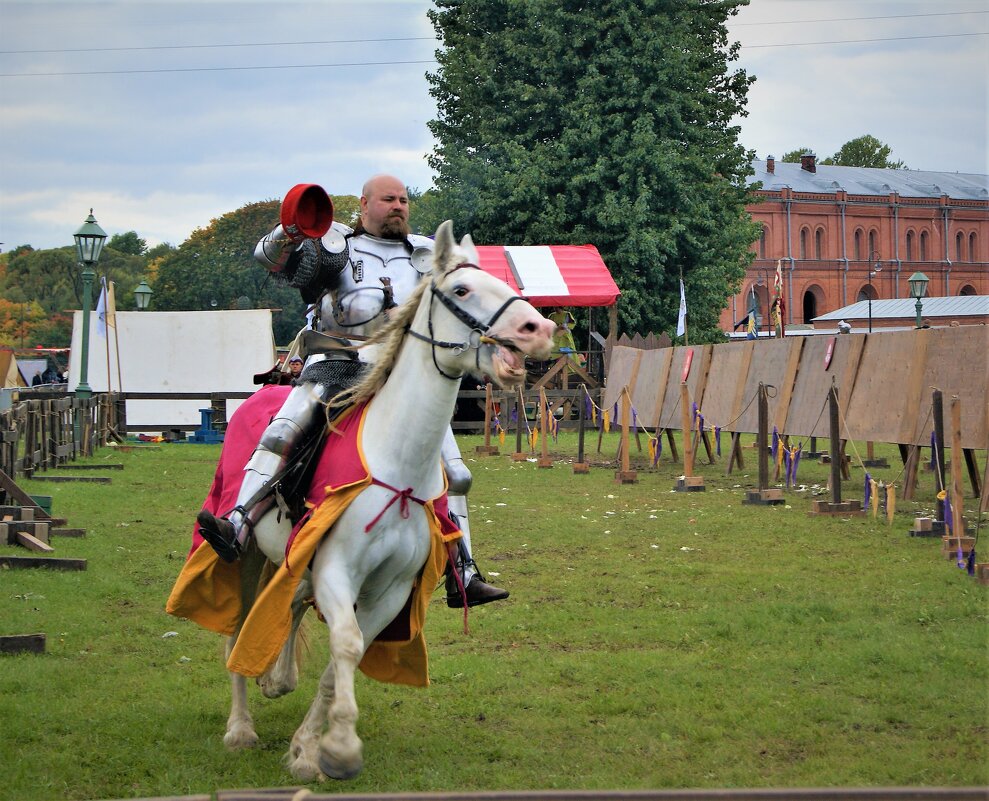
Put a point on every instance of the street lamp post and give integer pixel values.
(873, 270)
(918, 288)
(89, 246)
(142, 295)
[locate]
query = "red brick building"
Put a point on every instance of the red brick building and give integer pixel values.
(845, 234)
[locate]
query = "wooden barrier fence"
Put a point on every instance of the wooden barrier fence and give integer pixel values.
(44, 429)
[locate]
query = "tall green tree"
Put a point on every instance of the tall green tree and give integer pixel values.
(865, 151)
(562, 121)
(793, 156)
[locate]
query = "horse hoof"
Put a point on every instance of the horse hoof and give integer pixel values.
(337, 770)
(240, 739)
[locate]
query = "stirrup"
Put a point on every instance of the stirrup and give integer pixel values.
(219, 533)
(478, 590)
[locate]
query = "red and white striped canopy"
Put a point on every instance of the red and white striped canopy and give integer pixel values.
(552, 275)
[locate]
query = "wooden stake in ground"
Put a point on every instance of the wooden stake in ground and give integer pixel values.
(544, 415)
(487, 449)
(688, 482)
(626, 475)
(836, 506)
(519, 456)
(581, 466)
(764, 495)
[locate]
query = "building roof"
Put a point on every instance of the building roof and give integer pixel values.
(899, 308)
(871, 181)
(552, 275)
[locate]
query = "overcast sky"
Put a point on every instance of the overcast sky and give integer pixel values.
(163, 116)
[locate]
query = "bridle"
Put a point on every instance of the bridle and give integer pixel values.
(478, 331)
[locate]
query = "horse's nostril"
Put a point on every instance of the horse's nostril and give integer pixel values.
(529, 328)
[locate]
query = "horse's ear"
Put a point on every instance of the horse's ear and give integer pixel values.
(467, 245)
(443, 250)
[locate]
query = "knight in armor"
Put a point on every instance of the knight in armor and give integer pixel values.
(352, 277)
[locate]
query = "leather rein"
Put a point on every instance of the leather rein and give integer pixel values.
(478, 331)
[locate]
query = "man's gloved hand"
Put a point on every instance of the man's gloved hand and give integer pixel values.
(306, 212)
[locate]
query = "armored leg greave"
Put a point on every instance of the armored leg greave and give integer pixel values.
(459, 481)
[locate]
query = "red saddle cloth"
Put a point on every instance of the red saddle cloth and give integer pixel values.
(207, 590)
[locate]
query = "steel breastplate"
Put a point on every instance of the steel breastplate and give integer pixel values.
(356, 305)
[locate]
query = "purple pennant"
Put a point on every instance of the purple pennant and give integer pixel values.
(588, 412)
(514, 417)
(635, 421)
(700, 417)
(776, 443)
(786, 466)
(717, 439)
(796, 461)
(614, 414)
(694, 412)
(659, 445)
(933, 449)
(868, 490)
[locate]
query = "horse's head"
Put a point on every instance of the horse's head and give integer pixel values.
(476, 322)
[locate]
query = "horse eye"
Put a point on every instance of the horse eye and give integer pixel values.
(461, 291)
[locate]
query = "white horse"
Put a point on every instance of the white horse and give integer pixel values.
(459, 320)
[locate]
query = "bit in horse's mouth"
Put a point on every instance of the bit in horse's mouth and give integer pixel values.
(511, 359)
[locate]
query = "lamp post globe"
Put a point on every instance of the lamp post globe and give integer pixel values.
(142, 295)
(89, 246)
(918, 288)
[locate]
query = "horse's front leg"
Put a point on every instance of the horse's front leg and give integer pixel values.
(340, 749)
(303, 753)
(240, 725)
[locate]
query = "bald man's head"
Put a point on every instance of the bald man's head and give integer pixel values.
(385, 207)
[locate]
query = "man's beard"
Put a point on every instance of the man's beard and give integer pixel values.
(395, 227)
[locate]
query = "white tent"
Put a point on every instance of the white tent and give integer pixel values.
(174, 352)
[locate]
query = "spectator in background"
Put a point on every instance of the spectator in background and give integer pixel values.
(295, 366)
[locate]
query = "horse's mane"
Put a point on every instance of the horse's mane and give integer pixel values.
(390, 338)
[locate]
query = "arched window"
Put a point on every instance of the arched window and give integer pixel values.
(959, 242)
(867, 293)
(819, 243)
(857, 245)
(812, 301)
(968, 289)
(971, 247)
(910, 245)
(803, 243)
(923, 245)
(873, 247)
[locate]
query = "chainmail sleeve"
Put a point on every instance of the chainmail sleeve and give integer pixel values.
(313, 269)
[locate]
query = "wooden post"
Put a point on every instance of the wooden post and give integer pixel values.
(735, 457)
(835, 446)
(957, 493)
(544, 460)
(581, 466)
(626, 475)
(487, 449)
(519, 456)
(836, 505)
(688, 482)
(686, 429)
(764, 495)
(937, 412)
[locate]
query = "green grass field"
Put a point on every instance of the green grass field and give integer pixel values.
(654, 639)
